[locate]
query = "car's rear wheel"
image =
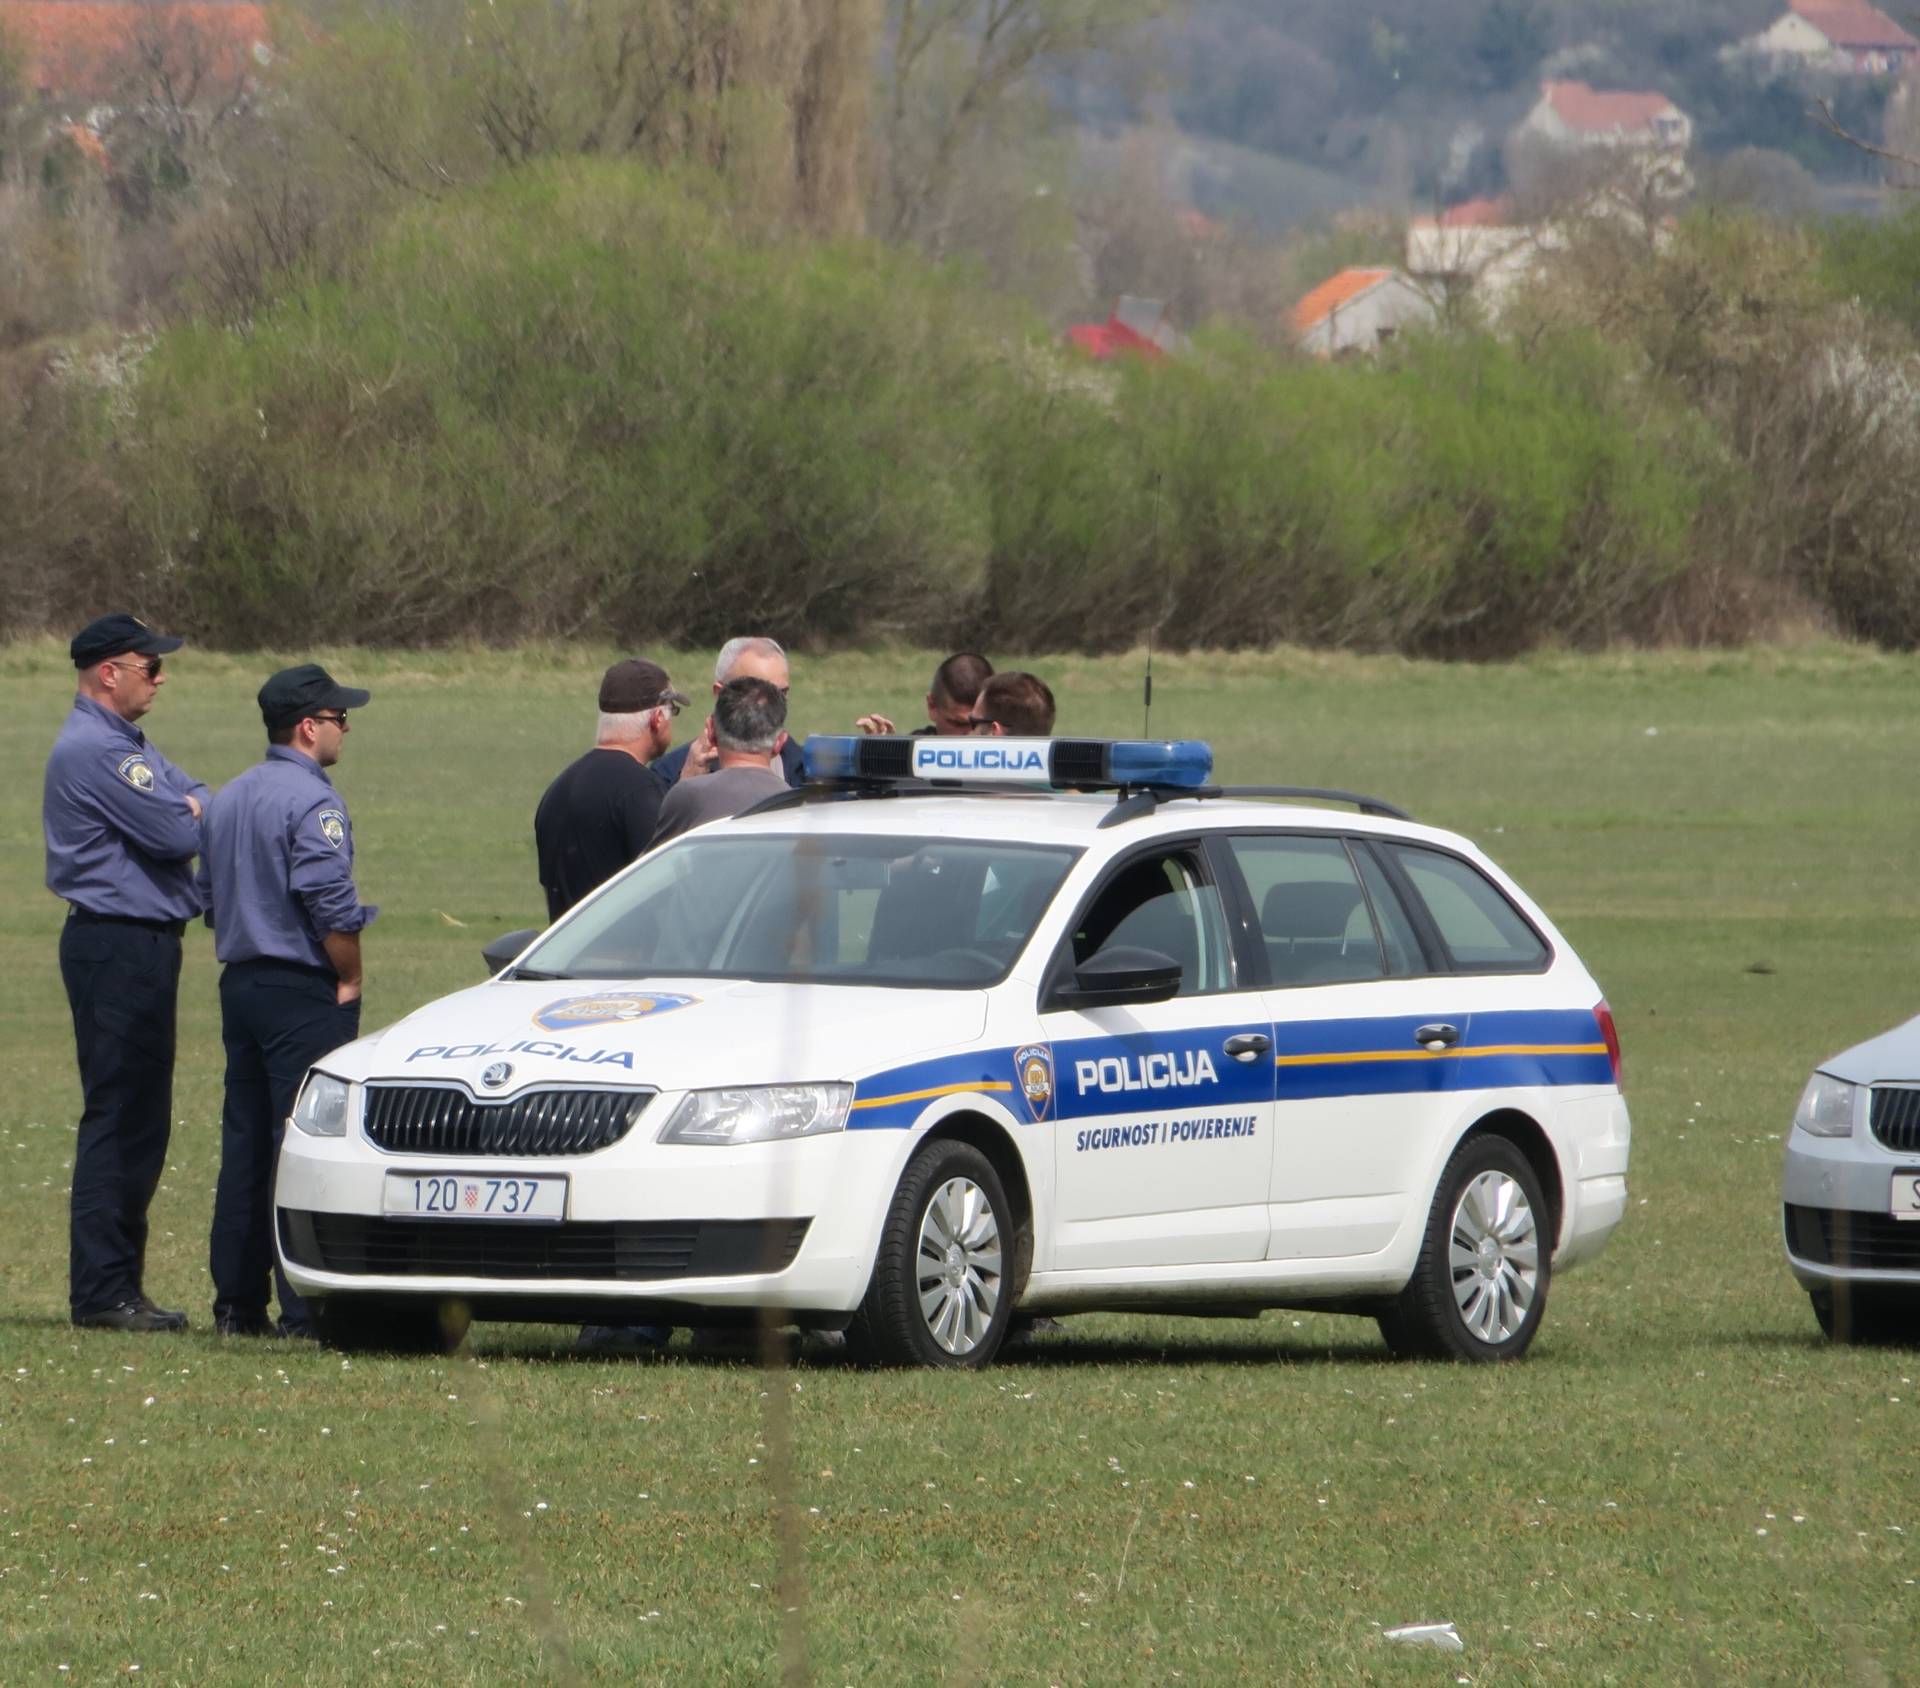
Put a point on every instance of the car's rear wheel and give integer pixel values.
(1480, 1285)
(356, 1325)
(939, 1291)
(1868, 1317)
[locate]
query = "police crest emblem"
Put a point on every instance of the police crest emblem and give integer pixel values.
(136, 773)
(607, 1008)
(1033, 1066)
(333, 827)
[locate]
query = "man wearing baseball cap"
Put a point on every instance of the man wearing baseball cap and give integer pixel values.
(122, 825)
(277, 869)
(601, 810)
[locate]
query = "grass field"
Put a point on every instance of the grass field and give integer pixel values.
(1683, 1483)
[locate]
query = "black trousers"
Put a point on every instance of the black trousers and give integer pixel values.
(276, 1020)
(123, 984)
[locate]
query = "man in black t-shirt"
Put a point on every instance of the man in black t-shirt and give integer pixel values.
(599, 814)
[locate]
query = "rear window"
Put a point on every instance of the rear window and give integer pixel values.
(1482, 930)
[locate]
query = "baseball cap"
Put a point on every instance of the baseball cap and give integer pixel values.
(636, 684)
(116, 634)
(295, 693)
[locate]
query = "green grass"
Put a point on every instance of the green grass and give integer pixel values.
(1682, 1483)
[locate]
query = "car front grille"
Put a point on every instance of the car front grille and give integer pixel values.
(1841, 1237)
(619, 1251)
(440, 1120)
(1896, 1118)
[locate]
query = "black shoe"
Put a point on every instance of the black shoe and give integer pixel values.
(131, 1316)
(176, 1320)
(242, 1324)
(291, 1330)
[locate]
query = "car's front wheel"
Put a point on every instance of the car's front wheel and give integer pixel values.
(1866, 1317)
(1480, 1285)
(939, 1291)
(356, 1325)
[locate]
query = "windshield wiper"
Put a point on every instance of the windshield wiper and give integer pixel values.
(535, 974)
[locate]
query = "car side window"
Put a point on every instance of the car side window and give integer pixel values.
(1162, 903)
(1313, 914)
(1398, 937)
(1483, 931)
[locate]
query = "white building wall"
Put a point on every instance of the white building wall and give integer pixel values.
(1378, 314)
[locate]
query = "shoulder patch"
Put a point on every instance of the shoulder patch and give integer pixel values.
(333, 827)
(135, 771)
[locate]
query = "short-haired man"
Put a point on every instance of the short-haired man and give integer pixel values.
(749, 657)
(601, 810)
(747, 732)
(1012, 706)
(286, 916)
(122, 826)
(956, 683)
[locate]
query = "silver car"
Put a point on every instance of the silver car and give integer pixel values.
(1851, 1190)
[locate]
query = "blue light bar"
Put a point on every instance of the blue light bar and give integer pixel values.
(1058, 764)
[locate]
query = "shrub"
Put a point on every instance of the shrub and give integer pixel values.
(574, 400)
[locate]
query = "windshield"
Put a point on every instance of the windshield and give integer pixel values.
(864, 911)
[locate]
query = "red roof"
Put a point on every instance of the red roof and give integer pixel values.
(1331, 294)
(86, 47)
(1494, 213)
(1593, 112)
(1853, 23)
(1111, 339)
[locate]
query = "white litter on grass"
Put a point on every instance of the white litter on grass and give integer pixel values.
(1443, 1636)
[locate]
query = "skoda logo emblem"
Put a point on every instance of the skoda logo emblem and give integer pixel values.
(496, 1075)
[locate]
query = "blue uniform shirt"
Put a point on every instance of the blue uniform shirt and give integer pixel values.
(277, 865)
(120, 837)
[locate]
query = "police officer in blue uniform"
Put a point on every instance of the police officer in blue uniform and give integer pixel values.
(278, 870)
(122, 826)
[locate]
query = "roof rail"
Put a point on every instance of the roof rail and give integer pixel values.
(1319, 794)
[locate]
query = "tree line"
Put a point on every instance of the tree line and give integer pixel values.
(647, 322)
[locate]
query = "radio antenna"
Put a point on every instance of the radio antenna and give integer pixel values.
(1166, 606)
(1146, 719)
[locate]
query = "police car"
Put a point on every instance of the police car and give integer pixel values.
(966, 1026)
(1850, 1191)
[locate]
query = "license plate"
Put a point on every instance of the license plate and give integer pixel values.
(1906, 1195)
(475, 1195)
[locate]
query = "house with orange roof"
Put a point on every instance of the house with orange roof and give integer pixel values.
(164, 70)
(1482, 247)
(1575, 116)
(1847, 36)
(1487, 249)
(1358, 311)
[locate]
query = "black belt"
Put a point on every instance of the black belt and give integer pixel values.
(86, 917)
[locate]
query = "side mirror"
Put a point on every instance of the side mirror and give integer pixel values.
(1115, 977)
(504, 948)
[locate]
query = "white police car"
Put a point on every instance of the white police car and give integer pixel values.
(1850, 1190)
(933, 1039)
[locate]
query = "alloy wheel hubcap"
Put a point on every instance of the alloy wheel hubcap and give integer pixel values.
(959, 1265)
(1494, 1257)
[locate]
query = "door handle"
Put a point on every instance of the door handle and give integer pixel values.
(1247, 1046)
(1436, 1037)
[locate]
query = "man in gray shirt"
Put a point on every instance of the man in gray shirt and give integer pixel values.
(747, 730)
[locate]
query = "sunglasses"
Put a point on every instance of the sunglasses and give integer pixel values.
(150, 668)
(339, 720)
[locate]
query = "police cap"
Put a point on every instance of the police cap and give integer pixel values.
(115, 635)
(295, 693)
(633, 685)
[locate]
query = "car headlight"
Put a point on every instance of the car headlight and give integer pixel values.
(765, 1113)
(321, 1110)
(1826, 1107)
